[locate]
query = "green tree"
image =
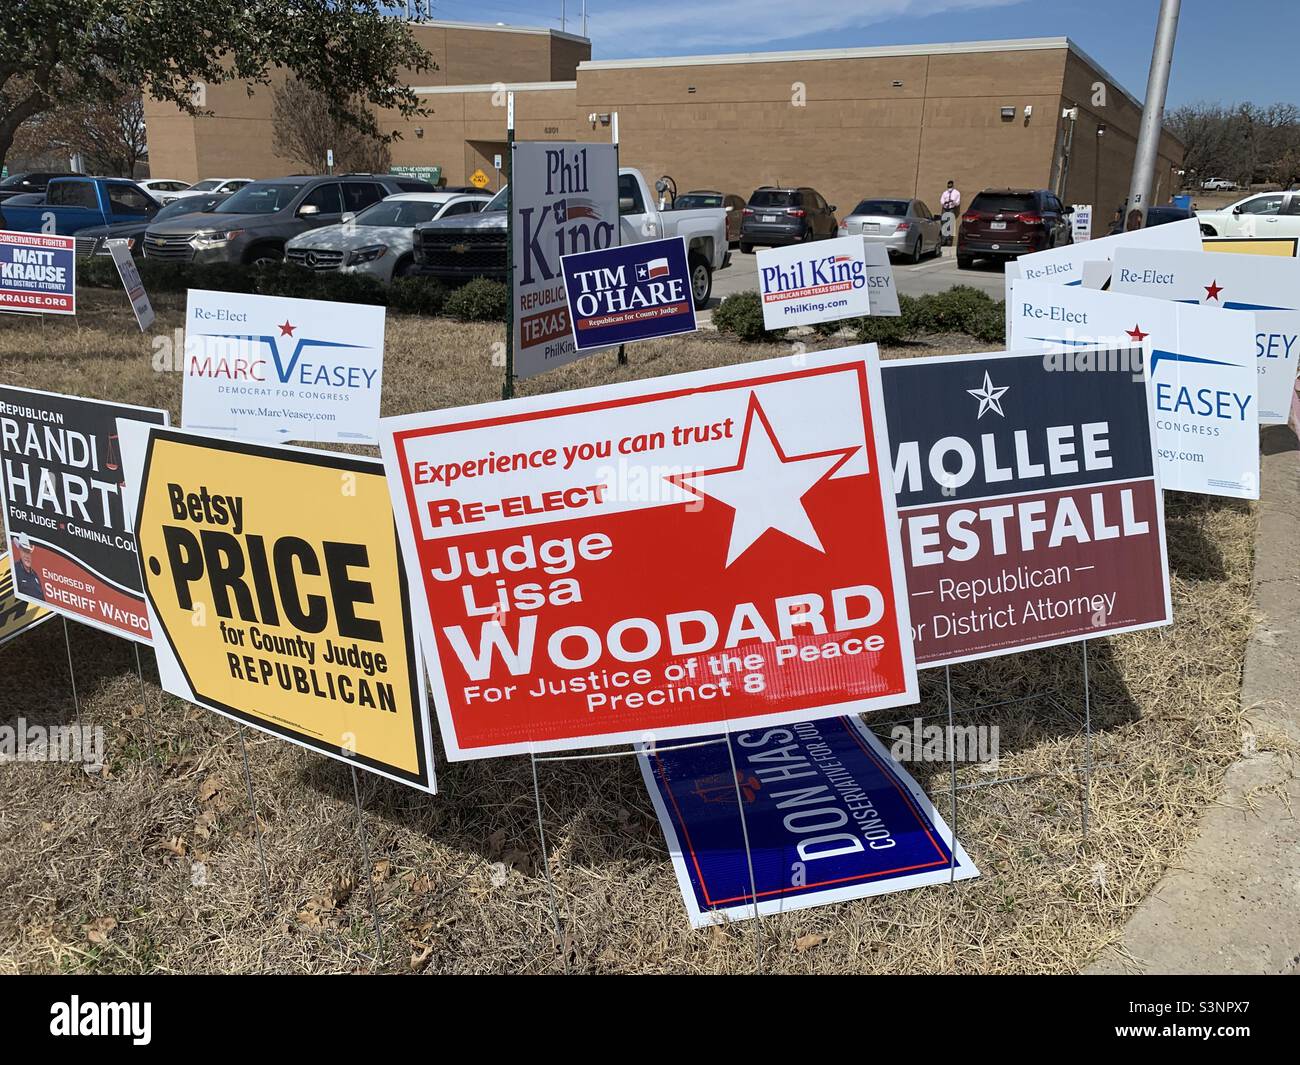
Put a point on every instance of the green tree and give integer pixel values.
(56, 52)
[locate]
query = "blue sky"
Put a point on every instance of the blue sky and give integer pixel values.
(1225, 52)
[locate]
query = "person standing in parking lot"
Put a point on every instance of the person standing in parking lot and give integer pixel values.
(950, 203)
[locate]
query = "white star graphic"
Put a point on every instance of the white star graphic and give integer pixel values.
(989, 397)
(765, 487)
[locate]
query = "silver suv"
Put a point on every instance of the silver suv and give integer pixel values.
(254, 224)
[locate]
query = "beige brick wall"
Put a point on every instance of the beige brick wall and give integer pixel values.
(851, 127)
(236, 141)
(1100, 167)
(855, 134)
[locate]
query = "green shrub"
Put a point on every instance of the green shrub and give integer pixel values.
(281, 279)
(480, 300)
(878, 329)
(417, 295)
(97, 272)
(951, 311)
(829, 329)
(989, 324)
(741, 315)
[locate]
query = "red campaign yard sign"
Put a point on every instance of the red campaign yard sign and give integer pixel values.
(656, 559)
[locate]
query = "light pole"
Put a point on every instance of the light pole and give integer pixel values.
(1153, 108)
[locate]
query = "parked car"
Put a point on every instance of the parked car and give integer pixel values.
(777, 216)
(225, 186)
(731, 203)
(94, 240)
(1265, 214)
(255, 224)
(1006, 223)
(907, 228)
(29, 182)
(1163, 214)
(469, 246)
(378, 241)
(1218, 183)
(71, 204)
(163, 190)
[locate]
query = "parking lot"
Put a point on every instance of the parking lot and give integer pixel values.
(929, 275)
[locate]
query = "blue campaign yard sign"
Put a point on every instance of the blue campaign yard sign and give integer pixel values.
(38, 273)
(829, 814)
(631, 292)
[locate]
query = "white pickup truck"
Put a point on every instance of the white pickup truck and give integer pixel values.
(474, 245)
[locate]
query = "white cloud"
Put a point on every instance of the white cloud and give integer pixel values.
(676, 27)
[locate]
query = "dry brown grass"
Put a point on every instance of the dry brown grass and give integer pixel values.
(166, 849)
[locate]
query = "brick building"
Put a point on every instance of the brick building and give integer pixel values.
(852, 122)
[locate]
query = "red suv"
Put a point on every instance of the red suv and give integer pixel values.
(1005, 223)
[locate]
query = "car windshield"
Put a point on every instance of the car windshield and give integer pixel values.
(693, 200)
(398, 213)
(188, 205)
(262, 198)
(891, 208)
(497, 203)
(774, 198)
(1003, 202)
(205, 186)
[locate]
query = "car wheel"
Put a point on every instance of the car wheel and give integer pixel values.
(701, 280)
(405, 268)
(1208, 231)
(745, 249)
(914, 256)
(965, 262)
(264, 256)
(807, 235)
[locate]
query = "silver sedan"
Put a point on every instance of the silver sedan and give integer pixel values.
(907, 228)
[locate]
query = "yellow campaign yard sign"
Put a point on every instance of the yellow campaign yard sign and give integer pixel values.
(1283, 246)
(16, 615)
(280, 599)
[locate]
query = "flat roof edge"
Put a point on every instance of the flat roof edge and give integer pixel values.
(518, 86)
(1026, 44)
(501, 27)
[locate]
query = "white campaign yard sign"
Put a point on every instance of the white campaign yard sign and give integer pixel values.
(880, 280)
(803, 284)
(274, 369)
(1200, 363)
(1064, 265)
(1267, 285)
(130, 275)
(563, 199)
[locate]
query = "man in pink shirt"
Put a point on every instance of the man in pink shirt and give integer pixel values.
(950, 202)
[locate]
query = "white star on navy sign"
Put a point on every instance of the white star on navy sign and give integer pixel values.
(989, 397)
(643, 271)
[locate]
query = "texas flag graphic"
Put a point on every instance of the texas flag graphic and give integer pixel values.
(654, 268)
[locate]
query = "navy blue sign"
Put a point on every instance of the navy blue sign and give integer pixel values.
(631, 292)
(38, 273)
(970, 427)
(829, 815)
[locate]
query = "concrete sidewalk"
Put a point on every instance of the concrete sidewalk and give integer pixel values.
(1233, 903)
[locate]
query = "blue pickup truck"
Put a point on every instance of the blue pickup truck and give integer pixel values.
(71, 204)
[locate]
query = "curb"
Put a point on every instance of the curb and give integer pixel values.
(1233, 903)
